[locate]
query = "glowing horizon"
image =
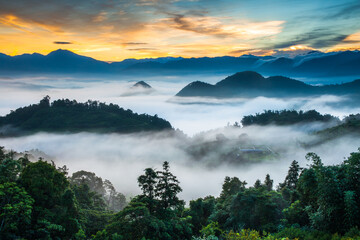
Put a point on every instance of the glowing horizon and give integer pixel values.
(138, 29)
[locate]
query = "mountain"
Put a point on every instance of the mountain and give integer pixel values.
(312, 64)
(132, 61)
(342, 63)
(253, 84)
(59, 61)
(139, 88)
(70, 116)
(141, 84)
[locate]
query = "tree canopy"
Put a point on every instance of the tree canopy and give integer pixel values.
(66, 115)
(38, 200)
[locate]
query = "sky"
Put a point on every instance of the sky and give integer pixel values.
(112, 30)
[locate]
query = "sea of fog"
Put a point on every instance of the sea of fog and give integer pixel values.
(122, 158)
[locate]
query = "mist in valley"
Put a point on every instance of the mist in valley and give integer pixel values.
(121, 158)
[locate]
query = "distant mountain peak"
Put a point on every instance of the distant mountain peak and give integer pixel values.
(247, 74)
(253, 84)
(141, 84)
(61, 52)
(240, 78)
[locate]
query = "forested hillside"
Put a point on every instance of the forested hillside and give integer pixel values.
(70, 116)
(41, 201)
(286, 117)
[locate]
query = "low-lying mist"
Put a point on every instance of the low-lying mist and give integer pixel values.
(122, 158)
(200, 159)
(189, 115)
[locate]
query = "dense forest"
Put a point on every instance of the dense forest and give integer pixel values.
(39, 200)
(286, 117)
(70, 116)
(349, 125)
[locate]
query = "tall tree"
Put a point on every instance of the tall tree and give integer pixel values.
(147, 183)
(167, 187)
(268, 183)
(292, 176)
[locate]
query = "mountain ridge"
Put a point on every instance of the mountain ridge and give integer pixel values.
(314, 64)
(253, 84)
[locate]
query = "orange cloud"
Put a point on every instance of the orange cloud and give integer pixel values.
(221, 27)
(175, 35)
(351, 42)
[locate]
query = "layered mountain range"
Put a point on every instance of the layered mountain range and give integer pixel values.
(63, 61)
(253, 84)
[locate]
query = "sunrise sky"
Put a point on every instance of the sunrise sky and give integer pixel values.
(113, 30)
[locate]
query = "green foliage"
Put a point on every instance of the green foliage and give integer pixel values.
(94, 193)
(89, 179)
(156, 214)
(211, 237)
(147, 183)
(286, 117)
(328, 194)
(38, 201)
(93, 221)
(200, 211)
(350, 125)
(66, 115)
(167, 188)
(44, 183)
(295, 214)
(54, 210)
(15, 210)
(10, 167)
(288, 187)
(80, 235)
(212, 229)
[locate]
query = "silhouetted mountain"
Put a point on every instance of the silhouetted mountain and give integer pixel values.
(283, 65)
(342, 63)
(59, 61)
(252, 84)
(312, 64)
(139, 88)
(131, 61)
(198, 88)
(141, 84)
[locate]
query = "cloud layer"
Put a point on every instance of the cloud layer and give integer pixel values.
(109, 30)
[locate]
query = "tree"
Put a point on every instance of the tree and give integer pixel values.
(292, 176)
(268, 183)
(10, 167)
(94, 182)
(45, 102)
(115, 201)
(147, 183)
(231, 186)
(167, 187)
(15, 210)
(54, 211)
(257, 184)
(200, 211)
(351, 210)
(132, 223)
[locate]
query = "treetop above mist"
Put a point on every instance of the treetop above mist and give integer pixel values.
(40, 201)
(286, 117)
(66, 115)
